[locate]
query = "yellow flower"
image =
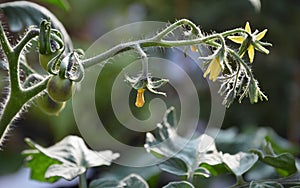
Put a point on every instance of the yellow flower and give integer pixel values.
(140, 100)
(253, 44)
(142, 84)
(194, 48)
(214, 69)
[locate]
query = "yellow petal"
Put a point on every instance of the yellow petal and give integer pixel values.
(207, 71)
(140, 100)
(251, 53)
(194, 48)
(261, 34)
(237, 39)
(247, 27)
(216, 69)
(261, 48)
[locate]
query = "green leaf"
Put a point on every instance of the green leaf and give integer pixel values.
(214, 170)
(284, 163)
(240, 162)
(175, 166)
(179, 184)
(74, 157)
(201, 171)
(22, 15)
(63, 4)
(104, 183)
(39, 166)
(267, 184)
(186, 156)
(230, 140)
(167, 143)
(131, 181)
(279, 144)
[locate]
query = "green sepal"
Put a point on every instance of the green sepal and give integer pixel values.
(255, 93)
(44, 36)
(245, 45)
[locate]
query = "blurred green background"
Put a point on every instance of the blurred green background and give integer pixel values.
(278, 72)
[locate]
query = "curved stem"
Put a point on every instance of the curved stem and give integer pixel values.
(31, 33)
(26, 68)
(144, 61)
(14, 104)
(236, 55)
(232, 32)
(174, 26)
(19, 97)
(158, 40)
(12, 107)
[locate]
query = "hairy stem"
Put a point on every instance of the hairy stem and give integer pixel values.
(14, 104)
(144, 61)
(174, 26)
(82, 181)
(18, 97)
(12, 107)
(4, 41)
(31, 33)
(158, 41)
(242, 62)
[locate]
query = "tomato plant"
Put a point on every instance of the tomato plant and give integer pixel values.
(192, 160)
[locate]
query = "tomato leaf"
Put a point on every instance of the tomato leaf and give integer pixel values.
(70, 158)
(183, 155)
(22, 15)
(39, 165)
(267, 184)
(179, 184)
(197, 156)
(284, 163)
(131, 181)
(240, 162)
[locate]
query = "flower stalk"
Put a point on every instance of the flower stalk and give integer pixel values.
(144, 81)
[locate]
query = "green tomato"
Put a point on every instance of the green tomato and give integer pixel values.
(48, 106)
(60, 89)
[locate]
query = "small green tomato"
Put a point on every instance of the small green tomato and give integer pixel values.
(60, 89)
(48, 106)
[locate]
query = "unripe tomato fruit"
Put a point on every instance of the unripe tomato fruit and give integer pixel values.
(48, 106)
(60, 89)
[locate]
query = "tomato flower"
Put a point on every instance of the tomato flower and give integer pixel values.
(140, 100)
(214, 69)
(250, 42)
(141, 84)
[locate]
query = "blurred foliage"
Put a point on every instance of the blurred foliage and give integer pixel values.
(199, 157)
(278, 72)
(63, 4)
